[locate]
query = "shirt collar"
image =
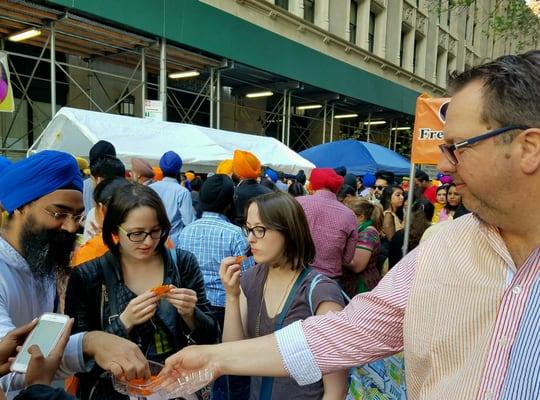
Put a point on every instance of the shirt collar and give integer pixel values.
(214, 215)
(493, 236)
(325, 194)
(10, 256)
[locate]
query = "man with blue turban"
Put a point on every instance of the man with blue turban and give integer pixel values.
(176, 198)
(43, 196)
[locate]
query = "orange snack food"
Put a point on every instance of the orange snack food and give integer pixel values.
(142, 391)
(239, 259)
(162, 290)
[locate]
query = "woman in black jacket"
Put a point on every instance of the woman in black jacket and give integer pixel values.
(117, 292)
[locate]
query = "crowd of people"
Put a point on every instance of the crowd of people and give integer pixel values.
(302, 279)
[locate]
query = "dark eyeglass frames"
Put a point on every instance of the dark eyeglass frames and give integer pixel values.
(140, 236)
(257, 231)
(449, 150)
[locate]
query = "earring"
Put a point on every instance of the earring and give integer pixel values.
(115, 239)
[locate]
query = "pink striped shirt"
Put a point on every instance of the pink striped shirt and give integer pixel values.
(454, 305)
(333, 228)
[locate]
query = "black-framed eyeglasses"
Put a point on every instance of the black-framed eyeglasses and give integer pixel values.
(62, 216)
(140, 236)
(257, 231)
(449, 150)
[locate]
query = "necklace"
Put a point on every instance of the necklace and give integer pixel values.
(258, 319)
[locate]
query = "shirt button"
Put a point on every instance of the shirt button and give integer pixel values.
(517, 289)
(488, 395)
(503, 340)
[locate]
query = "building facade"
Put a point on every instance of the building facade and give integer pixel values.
(303, 71)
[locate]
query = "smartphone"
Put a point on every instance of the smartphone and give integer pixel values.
(46, 334)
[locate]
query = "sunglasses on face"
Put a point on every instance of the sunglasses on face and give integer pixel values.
(379, 187)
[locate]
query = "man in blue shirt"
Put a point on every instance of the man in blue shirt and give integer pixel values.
(176, 198)
(212, 238)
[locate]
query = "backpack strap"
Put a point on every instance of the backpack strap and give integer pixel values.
(268, 382)
(312, 286)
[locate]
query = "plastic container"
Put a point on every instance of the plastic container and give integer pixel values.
(139, 388)
(184, 385)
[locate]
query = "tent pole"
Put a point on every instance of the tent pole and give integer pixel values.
(163, 78)
(332, 123)
(409, 211)
(53, 70)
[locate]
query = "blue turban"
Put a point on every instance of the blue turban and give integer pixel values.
(4, 162)
(368, 180)
(170, 163)
(37, 176)
(272, 175)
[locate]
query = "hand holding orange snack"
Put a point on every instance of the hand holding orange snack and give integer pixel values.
(239, 259)
(162, 290)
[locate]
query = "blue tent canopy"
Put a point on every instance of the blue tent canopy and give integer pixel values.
(358, 157)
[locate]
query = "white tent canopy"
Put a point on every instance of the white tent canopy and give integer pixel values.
(202, 149)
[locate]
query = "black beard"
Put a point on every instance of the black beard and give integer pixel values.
(47, 251)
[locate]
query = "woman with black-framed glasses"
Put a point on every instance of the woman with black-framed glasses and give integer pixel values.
(281, 289)
(117, 292)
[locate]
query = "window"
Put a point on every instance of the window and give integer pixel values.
(309, 10)
(353, 18)
(371, 32)
(283, 4)
(448, 17)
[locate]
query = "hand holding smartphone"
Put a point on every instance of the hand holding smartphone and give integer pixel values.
(50, 329)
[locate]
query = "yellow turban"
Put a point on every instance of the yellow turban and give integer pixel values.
(84, 165)
(158, 173)
(190, 176)
(225, 167)
(246, 165)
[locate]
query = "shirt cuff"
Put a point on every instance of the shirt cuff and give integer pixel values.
(296, 355)
(73, 360)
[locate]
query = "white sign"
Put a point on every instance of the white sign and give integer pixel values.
(153, 109)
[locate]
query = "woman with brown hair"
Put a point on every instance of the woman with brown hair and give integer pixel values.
(278, 290)
(362, 274)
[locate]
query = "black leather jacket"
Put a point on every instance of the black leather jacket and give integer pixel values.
(85, 301)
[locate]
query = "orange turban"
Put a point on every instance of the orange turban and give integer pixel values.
(225, 167)
(190, 176)
(158, 173)
(325, 178)
(246, 165)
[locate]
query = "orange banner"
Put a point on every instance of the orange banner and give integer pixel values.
(428, 129)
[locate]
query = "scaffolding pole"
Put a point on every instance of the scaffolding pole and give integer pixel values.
(218, 99)
(53, 71)
(369, 126)
(284, 116)
(332, 124)
(212, 81)
(324, 124)
(163, 78)
(143, 80)
(289, 117)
